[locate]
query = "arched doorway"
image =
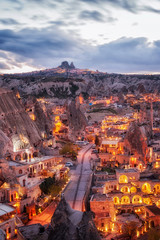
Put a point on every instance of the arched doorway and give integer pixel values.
(116, 200)
(137, 199)
(123, 179)
(158, 203)
(157, 188)
(146, 188)
(18, 157)
(125, 200)
(152, 224)
(24, 182)
(133, 190)
(25, 155)
(125, 189)
(35, 154)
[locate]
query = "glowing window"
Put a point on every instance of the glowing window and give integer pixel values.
(123, 179)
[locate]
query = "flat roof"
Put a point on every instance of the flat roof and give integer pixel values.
(4, 209)
(105, 142)
(33, 160)
(15, 164)
(99, 197)
(34, 231)
(126, 170)
(154, 209)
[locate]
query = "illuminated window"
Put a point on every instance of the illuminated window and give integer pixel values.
(123, 179)
(125, 200)
(137, 199)
(147, 201)
(116, 200)
(146, 188)
(125, 189)
(158, 203)
(157, 188)
(133, 190)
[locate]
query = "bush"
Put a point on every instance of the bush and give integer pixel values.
(70, 150)
(52, 187)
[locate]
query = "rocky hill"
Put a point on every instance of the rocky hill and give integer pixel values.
(66, 81)
(17, 130)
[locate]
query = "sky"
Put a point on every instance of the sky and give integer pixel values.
(120, 36)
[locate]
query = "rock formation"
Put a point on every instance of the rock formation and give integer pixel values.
(7, 174)
(76, 119)
(136, 139)
(69, 224)
(42, 118)
(2, 234)
(66, 65)
(17, 130)
(55, 82)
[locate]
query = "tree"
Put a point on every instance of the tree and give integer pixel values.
(69, 149)
(97, 142)
(90, 138)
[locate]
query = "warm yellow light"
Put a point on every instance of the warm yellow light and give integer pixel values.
(18, 95)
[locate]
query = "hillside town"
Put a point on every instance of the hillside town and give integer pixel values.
(86, 160)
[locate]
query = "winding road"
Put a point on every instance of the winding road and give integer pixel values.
(75, 191)
(80, 178)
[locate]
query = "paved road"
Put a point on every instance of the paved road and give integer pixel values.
(44, 217)
(75, 191)
(77, 187)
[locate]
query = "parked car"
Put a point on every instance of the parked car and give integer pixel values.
(69, 164)
(95, 151)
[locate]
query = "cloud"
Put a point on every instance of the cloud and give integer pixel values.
(58, 23)
(95, 16)
(4, 66)
(49, 46)
(9, 21)
(135, 6)
(92, 15)
(150, 9)
(40, 46)
(127, 55)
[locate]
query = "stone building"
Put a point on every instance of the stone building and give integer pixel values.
(129, 191)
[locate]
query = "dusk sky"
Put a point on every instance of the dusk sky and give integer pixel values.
(108, 35)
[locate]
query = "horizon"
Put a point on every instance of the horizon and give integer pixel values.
(101, 71)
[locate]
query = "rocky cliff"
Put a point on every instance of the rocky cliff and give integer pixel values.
(42, 117)
(17, 130)
(76, 119)
(136, 139)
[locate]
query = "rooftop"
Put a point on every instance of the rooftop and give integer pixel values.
(130, 170)
(127, 217)
(108, 142)
(33, 232)
(99, 197)
(33, 160)
(4, 209)
(154, 209)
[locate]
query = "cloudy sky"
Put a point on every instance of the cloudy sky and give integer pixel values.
(108, 35)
